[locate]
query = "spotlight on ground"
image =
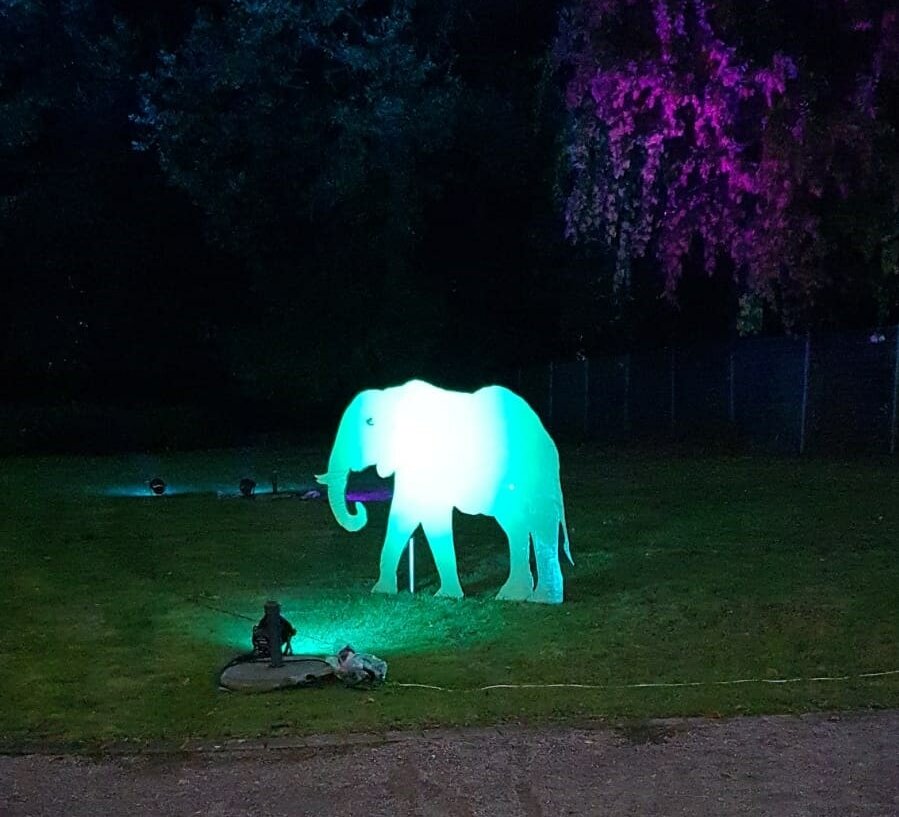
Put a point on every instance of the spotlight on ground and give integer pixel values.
(157, 486)
(247, 487)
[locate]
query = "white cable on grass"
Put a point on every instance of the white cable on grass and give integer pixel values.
(655, 685)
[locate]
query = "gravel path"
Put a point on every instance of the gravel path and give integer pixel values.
(780, 766)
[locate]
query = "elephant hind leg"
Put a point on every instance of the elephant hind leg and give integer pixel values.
(550, 586)
(520, 584)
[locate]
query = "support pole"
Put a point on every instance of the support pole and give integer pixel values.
(895, 392)
(411, 550)
(273, 629)
(805, 369)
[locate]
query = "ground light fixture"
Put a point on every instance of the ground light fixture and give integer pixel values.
(157, 486)
(247, 487)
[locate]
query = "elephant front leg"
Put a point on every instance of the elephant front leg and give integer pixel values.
(399, 531)
(439, 531)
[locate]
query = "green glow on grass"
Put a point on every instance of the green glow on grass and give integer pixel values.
(324, 625)
(482, 453)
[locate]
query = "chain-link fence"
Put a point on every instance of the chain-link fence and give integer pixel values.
(822, 393)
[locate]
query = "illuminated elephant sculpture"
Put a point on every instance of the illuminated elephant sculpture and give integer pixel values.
(482, 453)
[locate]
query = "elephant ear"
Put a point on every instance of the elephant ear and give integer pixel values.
(388, 454)
(388, 422)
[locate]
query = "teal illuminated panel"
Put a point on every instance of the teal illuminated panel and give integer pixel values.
(481, 453)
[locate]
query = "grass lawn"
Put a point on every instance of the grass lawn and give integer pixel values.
(687, 569)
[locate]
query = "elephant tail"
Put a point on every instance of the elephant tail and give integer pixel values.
(565, 543)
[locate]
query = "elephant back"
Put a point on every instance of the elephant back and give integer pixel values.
(529, 456)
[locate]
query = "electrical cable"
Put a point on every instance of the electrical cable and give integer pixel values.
(653, 685)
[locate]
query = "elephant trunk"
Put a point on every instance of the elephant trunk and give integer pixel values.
(336, 480)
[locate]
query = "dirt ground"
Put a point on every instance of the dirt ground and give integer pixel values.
(844, 765)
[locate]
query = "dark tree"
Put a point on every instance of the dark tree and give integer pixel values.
(301, 131)
(103, 266)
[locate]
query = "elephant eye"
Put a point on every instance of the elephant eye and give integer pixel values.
(370, 421)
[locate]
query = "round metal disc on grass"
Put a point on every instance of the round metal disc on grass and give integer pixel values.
(258, 676)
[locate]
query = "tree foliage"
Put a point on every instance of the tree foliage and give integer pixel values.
(279, 112)
(684, 141)
(299, 128)
(64, 88)
(63, 67)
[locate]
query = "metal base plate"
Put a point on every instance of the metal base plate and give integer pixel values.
(258, 676)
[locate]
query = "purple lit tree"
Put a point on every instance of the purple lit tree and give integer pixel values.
(679, 142)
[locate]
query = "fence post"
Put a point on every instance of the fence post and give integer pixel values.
(549, 413)
(586, 396)
(895, 392)
(805, 368)
(673, 359)
(627, 393)
(732, 409)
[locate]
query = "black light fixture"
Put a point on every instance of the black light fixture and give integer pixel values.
(247, 487)
(157, 486)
